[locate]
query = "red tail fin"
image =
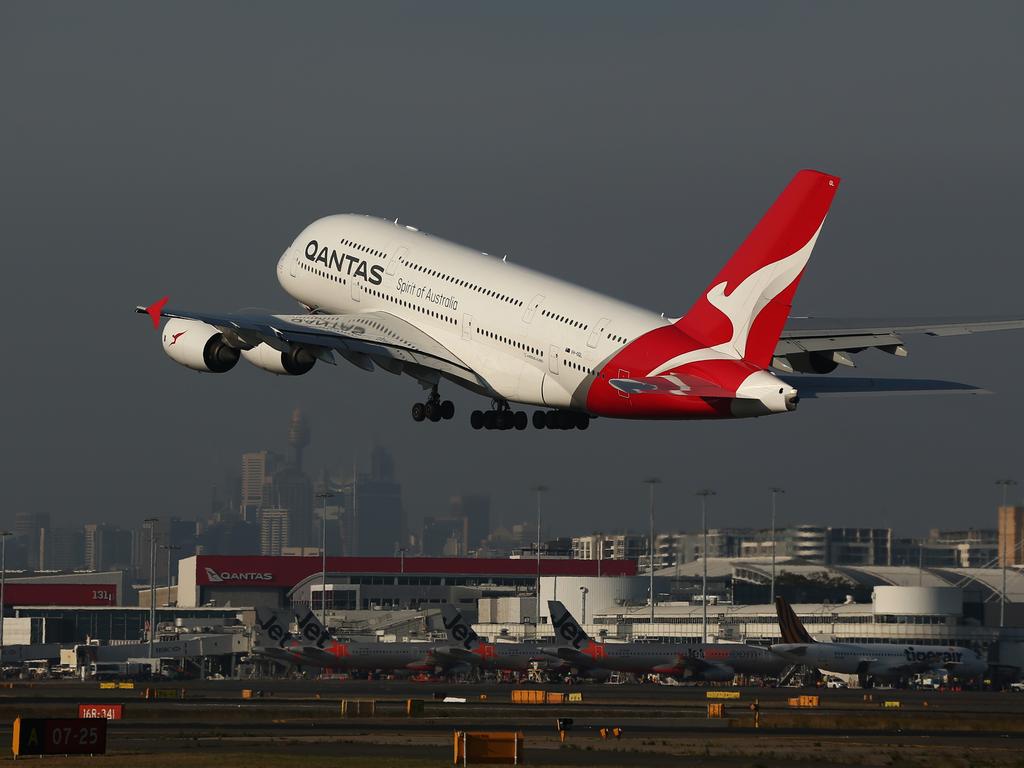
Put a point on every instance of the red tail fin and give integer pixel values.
(744, 309)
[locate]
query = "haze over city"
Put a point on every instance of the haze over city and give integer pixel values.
(630, 154)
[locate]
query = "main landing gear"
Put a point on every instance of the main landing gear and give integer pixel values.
(560, 420)
(499, 417)
(434, 409)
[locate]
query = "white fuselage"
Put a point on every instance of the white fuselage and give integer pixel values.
(532, 338)
(884, 660)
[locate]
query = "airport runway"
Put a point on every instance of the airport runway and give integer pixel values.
(662, 724)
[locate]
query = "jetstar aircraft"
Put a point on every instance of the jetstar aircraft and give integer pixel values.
(322, 650)
(379, 294)
(713, 662)
(464, 642)
(895, 662)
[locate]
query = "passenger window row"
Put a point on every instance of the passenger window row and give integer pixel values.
(363, 248)
(564, 319)
(324, 273)
(582, 368)
(619, 339)
(464, 284)
(511, 342)
(409, 305)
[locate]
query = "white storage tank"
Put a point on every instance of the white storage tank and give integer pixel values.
(605, 594)
(919, 601)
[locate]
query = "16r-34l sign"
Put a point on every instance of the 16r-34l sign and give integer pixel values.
(64, 736)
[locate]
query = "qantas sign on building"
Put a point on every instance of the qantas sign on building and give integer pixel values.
(286, 572)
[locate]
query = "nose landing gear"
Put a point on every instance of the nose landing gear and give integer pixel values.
(434, 409)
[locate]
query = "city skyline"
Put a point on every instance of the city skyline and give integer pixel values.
(630, 153)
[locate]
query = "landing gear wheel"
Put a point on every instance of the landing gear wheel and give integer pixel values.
(539, 420)
(490, 419)
(476, 419)
(433, 411)
(521, 421)
(505, 419)
(447, 410)
(566, 419)
(551, 419)
(582, 421)
(419, 412)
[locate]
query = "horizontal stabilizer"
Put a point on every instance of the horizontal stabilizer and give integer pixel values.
(855, 386)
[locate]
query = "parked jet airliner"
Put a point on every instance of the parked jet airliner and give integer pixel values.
(875, 661)
(379, 294)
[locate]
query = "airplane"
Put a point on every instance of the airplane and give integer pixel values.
(514, 657)
(710, 662)
(383, 295)
(322, 650)
(893, 662)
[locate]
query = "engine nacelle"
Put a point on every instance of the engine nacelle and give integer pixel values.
(198, 346)
(295, 362)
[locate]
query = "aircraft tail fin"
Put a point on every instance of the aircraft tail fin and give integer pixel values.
(792, 628)
(745, 308)
(567, 629)
(458, 628)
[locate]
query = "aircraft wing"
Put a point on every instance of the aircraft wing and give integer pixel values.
(813, 387)
(364, 339)
(830, 341)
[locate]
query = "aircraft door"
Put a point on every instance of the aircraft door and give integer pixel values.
(554, 359)
(357, 289)
(467, 327)
(531, 307)
(623, 375)
(293, 266)
(400, 254)
(599, 331)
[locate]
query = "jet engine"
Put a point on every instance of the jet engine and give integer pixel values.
(295, 362)
(198, 346)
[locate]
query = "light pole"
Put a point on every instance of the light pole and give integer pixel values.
(775, 492)
(1004, 535)
(170, 548)
(152, 521)
(324, 496)
(704, 556)
(583, 592)
(651, 482)
(3, 583)
(539, 489)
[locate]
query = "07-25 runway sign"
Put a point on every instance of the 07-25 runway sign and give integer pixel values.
(63, 736)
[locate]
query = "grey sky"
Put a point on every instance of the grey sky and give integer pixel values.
(178, 148)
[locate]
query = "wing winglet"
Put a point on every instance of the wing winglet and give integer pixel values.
(154, 310)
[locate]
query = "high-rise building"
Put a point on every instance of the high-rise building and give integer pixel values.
(615, 546)
(475, 509)
(28, 526)
(106, 547)
(257, 470)
(273, 531)
(373, 517)
(1011, 535)
(443, 537)
(60, 549)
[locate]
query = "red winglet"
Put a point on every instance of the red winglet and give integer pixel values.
(153, 310)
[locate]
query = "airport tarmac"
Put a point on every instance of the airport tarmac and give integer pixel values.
(662, 725)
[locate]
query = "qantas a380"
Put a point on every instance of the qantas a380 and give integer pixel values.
(379, 294)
